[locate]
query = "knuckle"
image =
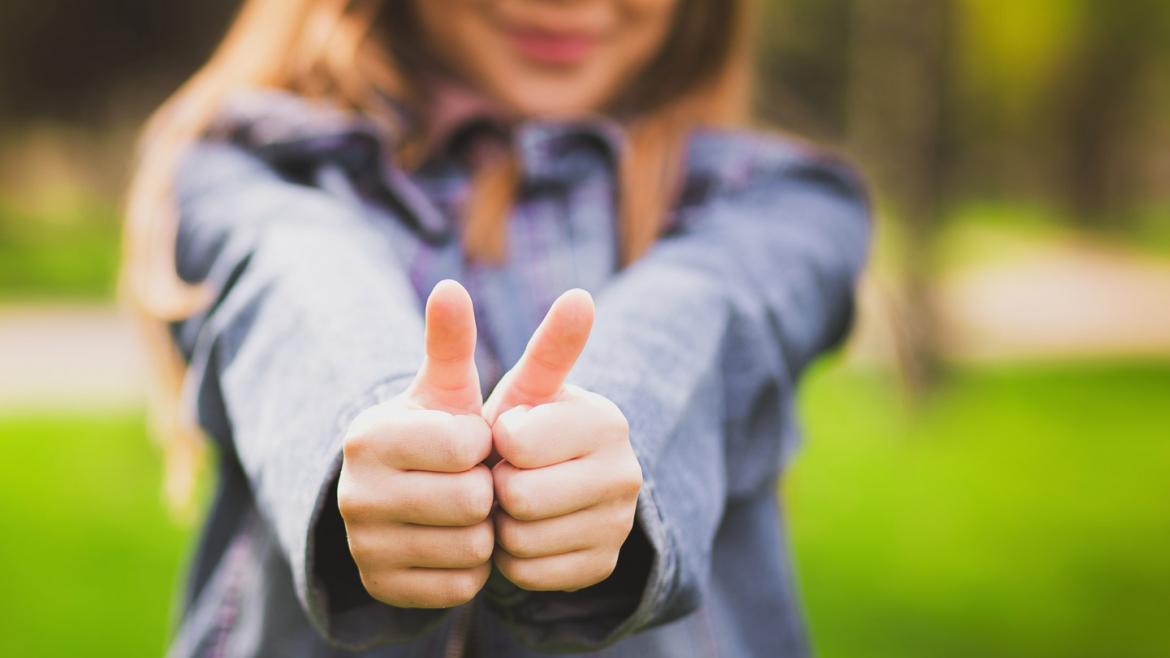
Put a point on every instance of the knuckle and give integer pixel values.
(352, 505)
(523, 458)
(517, 499)
(466, 452)
(596, 570)
(506, 442)
(440, 590)
(356, 446)
(604, 567)
(463, 446)
(521, 572)
(615, 421)
(619, 426)
(362, 437)
(511, 439)
(379, 585)
(362, 422)
(475, 496)
(461, 587)
(619, 524)
(515, 540)
(632, 480)
(359, 548)
(480, 543)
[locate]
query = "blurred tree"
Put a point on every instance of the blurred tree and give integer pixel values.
(1103, 93)
(899, 124)
(1060, 102)
(801, 75)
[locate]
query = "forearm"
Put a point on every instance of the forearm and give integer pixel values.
(313, 321)
(732, 308)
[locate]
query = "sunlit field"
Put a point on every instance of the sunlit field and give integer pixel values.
(1022, 512)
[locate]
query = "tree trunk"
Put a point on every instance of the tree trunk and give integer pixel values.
(898, 119)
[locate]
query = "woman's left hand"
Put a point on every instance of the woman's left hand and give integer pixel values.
(567, 482)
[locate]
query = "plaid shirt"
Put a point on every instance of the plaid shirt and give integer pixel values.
(322, 251)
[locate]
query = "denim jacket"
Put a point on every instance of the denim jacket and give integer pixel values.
(321, 249)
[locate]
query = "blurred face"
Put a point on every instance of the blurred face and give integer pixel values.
(551, 58)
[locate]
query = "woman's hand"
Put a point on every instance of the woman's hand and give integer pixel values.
(568, 480)
(414, 493)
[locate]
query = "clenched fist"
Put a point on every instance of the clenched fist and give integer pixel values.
(414, 493)
(568, 480)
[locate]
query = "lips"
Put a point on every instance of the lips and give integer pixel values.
(556, 48)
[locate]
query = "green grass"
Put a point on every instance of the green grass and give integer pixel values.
(1022, 513)
(89, 562)
(986, 233)
(65, 253)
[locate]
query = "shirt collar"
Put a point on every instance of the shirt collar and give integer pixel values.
(455, 113)
(461, 117)
(544, 148)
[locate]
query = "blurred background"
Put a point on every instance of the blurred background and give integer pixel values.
(987, 465)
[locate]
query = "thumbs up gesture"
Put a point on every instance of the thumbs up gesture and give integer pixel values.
(417, 499)
(567, 481)
(414, 493)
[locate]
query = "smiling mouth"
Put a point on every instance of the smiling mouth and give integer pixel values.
(561, 48)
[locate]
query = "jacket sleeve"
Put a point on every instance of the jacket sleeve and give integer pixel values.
(700, 344)
(313, 320)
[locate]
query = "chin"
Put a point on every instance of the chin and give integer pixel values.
(562, 100)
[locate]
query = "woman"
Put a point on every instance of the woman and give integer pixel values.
(337, 161)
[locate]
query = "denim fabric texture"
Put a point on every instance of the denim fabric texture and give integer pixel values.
(321, 251)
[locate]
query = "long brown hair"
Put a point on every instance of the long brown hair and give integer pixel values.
(354, 54)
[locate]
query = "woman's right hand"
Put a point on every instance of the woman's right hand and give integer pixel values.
(414, 493)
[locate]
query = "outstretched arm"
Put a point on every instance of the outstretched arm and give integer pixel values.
(313, 322)
(699, 345)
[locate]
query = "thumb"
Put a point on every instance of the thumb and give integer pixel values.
(550, 355)
(448, 380)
